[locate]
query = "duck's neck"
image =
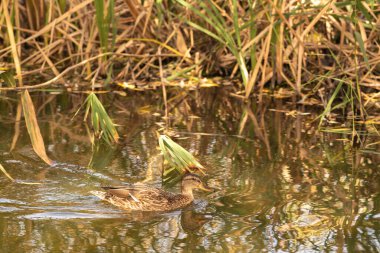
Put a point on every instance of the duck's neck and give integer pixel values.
(187, 191)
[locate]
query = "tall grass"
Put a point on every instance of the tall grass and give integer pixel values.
(105, 21)
(276, 44)
(218, 29)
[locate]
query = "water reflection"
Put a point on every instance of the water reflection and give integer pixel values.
(137, 231)
(281, 185)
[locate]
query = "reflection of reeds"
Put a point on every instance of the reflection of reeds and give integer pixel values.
(308, 189)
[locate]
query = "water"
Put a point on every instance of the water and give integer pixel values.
(282, 187)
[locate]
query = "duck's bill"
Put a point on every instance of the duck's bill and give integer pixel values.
(206, 188)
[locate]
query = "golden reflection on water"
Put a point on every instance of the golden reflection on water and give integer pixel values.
(281, 186)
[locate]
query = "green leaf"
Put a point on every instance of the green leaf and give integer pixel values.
(329, 103)
(102, 124)
(178, 157)
(359, 39)
(8, 78)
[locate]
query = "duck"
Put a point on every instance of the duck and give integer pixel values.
(145, 198)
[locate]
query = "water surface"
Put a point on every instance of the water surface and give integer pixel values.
(282, 186)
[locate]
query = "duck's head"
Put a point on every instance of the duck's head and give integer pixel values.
(192, 181)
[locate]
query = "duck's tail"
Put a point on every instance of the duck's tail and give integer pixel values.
(99, 194)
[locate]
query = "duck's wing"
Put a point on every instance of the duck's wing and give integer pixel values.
(118, 191)
(140, 197)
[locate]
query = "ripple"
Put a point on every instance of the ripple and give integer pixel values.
(11, 201)
(68, 215)
(9, 209)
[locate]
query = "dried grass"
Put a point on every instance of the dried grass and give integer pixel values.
(274, 43)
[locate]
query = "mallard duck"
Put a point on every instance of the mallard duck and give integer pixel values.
(143, 198)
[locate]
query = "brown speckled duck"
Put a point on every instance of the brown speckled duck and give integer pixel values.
(143, 198)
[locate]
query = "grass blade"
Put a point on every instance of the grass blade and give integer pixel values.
(359, 39)
(178, 157)
(13, 43)
(8, 78)
(6, 173)
(213, 18)
(330, 102)
(33, 128)
(102, 124)
(104, 19)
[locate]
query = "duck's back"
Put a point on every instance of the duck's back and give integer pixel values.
(143, 198)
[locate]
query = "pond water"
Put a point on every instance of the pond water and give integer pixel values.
(281, 185)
